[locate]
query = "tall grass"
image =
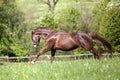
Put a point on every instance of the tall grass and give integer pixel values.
(86, 69)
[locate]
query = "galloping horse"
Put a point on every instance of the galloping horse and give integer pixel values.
(56, 40)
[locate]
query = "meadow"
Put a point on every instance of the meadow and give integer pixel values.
(84, 69)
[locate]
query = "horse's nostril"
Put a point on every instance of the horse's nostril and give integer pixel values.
(35, 46)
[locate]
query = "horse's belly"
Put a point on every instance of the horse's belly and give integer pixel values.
(66, 45)
(68, 48)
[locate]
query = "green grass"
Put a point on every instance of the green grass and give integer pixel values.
(86, 69)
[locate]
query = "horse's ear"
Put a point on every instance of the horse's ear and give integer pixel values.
(32, 32)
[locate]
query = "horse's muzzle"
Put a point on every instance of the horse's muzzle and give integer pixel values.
(35, 46)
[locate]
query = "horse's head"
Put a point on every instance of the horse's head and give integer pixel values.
(39, 33)
(35, 39)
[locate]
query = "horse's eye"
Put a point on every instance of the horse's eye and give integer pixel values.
(45, 34)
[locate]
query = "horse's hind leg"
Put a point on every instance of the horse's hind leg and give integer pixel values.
(96, 53)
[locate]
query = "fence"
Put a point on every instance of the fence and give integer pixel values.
(7, 59)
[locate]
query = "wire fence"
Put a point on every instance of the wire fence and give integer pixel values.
(42, 58)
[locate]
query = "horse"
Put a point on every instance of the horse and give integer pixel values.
(57, 40)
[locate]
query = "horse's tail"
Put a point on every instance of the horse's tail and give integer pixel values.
(104, 42)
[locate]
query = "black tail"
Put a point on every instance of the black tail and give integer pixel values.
(104, 42)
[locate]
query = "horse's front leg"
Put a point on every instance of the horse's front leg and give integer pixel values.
(40, 53)
(49, 44)
(52, 55)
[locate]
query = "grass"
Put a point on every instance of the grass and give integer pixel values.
(86, 69)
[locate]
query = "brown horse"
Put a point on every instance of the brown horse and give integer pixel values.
(56, 40)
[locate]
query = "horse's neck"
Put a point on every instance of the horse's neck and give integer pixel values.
(52, 33)
(45, 34)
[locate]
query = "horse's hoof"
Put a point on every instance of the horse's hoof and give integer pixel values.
(32, 62)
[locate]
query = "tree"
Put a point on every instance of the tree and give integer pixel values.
(11, 26)
(49, 21)
(51, 4)
(110, 27)
(108, 21)
(68, 19)
(98, 12)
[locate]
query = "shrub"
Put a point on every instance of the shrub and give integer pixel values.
(12, 27)
(107, 21)
(68, 19)
(48, 20)
(110, 26)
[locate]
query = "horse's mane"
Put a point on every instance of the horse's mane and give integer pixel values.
(44, 29)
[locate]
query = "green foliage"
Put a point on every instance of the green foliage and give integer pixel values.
(19, 51)
(68, 19)
(107, 21)
(4, 50)
(69, 14)
(11, 26)
(49, 21)
(98, 13)
(3, 30)
(4, 41)
(110, 26)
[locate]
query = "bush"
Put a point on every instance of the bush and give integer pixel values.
(110, 26)
(12, 27)
(19, 51)
(49, 21)
(68, 19)
(98, 13)
(107, 19)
